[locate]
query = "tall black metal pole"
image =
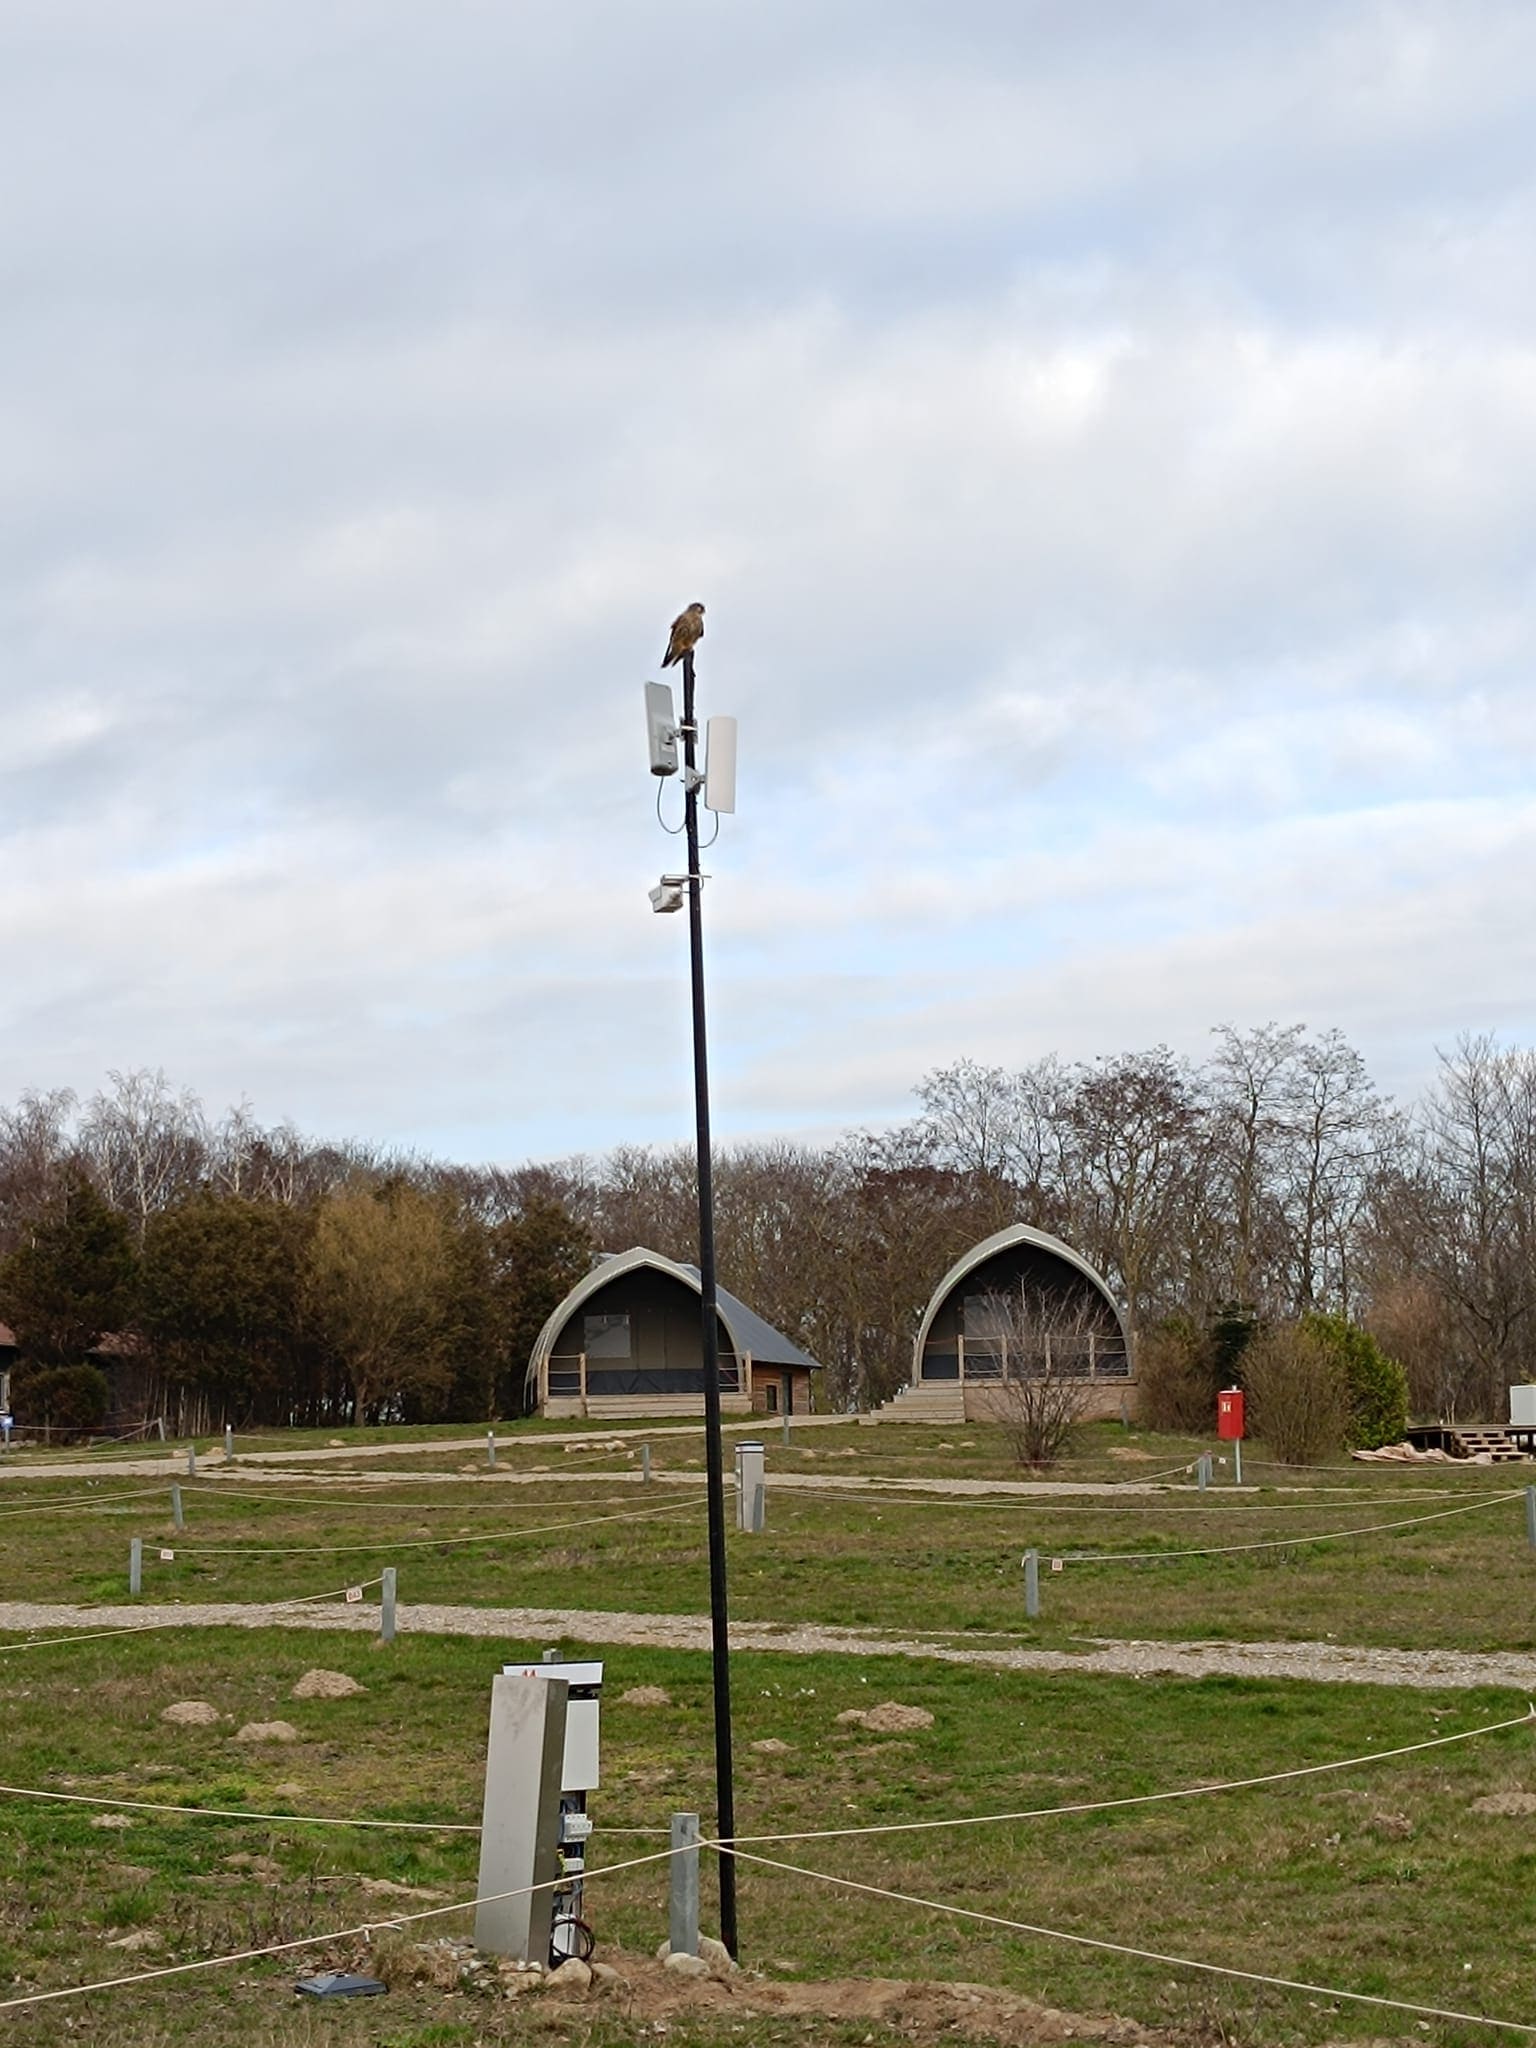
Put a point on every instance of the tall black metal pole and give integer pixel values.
(714, 1459)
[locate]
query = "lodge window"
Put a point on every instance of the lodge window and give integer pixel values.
(606, 1336)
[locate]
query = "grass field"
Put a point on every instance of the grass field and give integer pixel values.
(1381, 1878)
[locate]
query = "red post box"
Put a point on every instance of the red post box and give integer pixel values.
(1229, 1414)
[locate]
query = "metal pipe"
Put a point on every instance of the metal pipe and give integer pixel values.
(714, 1468)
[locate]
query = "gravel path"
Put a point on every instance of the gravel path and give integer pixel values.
(1329, 1663)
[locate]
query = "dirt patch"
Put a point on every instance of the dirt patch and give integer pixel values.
(771, 1746)
(1510, 1803)
(326, 1685)
(889, 1718)
(921, 2010)
(191, 1714)
(646, 1696)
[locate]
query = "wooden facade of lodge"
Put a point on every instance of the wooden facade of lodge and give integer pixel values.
(627, 1341)
(967, 1349)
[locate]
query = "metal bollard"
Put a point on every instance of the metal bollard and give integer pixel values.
(645, 1464)
(683, 1915)
(1237, 1461)
(1203, 1470)
(136, 1564)
(229, 1444)
(1530, 1514)
(387, 1604)
(786, 1429)
(1032, 1583)
(490, 1448)
(177, 1518)
(191, 1461)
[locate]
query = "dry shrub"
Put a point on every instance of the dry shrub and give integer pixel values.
(1298, 1394)
(1043, 1390)
(1177, 1379)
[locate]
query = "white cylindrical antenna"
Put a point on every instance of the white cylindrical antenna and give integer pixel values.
(661, 728)
(720, 765)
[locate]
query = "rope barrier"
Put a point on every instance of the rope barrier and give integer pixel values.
(96, 1500)
(425, 1542)
(214, 1491)
(1348, 1763)
(308, 1820)
(1089, 1504)
(1278, 1542)
(364, 1929)
(1120, 1948)
(188, 1620)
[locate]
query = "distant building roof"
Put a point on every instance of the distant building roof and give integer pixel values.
(749, 1334)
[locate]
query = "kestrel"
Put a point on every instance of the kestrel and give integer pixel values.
(687, 632)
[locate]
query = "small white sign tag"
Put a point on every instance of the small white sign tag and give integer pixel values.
(167, 1557)
(1056, 1564)
(354, 1594)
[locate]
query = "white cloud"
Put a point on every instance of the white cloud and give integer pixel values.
(1107, 461)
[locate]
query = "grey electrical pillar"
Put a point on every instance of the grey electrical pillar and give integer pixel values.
(520, 1826)
(750, 1488)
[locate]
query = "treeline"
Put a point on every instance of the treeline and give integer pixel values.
(270, 1278)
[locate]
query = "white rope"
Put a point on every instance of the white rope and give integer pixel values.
(186, 1620)
(365, 1929)
(1094, 1505)
(308, 1820)
(427, 1542)
(1277, 1542)
(1120, 1948)
(94, 1500)
(215, 1491)
(976, 1820)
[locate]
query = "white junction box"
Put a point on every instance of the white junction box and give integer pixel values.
(1522, 1407)
(583, 1707)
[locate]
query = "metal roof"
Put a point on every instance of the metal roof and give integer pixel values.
(749, 1334)
(1001, 1241)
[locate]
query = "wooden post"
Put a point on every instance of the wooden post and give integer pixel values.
(960, 1355)
(582, 1369)
(683, 1916)
(1093, 1355)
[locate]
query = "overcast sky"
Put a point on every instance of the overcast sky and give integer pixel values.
(1103, 434)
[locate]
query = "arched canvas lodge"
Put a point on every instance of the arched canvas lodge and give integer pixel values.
(628, 1340)
(1017, 1298)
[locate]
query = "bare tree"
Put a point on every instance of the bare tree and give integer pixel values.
(1043, 1346)
(147, 1147)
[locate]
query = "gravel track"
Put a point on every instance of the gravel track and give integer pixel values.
(1327, 1663)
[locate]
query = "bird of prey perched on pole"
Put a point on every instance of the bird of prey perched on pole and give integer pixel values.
(687, 632)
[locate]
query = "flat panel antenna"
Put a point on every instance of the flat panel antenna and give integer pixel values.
(661, 728)
(720, 765)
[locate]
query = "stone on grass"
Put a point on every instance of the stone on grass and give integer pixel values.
(571, 1975)
(326, 1685)
(715, 1954)
(771, 1746)
(190, 1714)
(267, 1731)
(646, 1696)
(112, 1820)
(606, 1980)
(682, 1965)
(852, 1717)
(141, 1938)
